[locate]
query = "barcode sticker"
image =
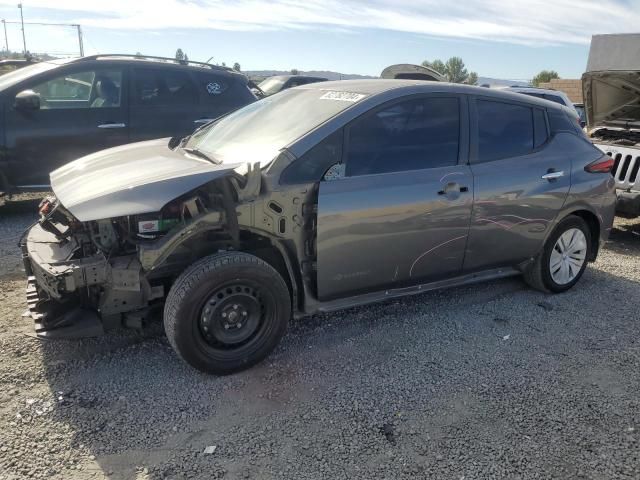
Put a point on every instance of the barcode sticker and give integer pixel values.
(342, 96)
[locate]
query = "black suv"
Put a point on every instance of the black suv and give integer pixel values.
(54, 112)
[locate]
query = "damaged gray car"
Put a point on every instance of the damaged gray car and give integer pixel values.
(320, 198)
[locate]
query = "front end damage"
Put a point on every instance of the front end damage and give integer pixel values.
(88, 277)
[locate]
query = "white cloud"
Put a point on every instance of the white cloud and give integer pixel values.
(523, 22)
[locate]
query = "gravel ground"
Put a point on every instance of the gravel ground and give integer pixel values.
(478, 382)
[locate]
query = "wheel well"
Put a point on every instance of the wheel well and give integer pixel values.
(594, 228)
(263, 248)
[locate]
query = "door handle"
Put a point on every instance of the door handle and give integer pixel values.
(552, 175)
(201, 121)
(451, 187)
(112, 125)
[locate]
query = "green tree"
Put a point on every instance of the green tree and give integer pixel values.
(544, 76)
(437, 65)
(294, 71)
(236, 67)
(179, 54)
(453, 70)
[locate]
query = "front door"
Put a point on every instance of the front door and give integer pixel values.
(81, 111)
(521, 180)
(400, 213)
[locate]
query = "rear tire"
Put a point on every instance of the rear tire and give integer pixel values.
(570, 246)
(227, 312)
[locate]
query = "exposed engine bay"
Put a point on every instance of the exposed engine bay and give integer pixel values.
(618, 136)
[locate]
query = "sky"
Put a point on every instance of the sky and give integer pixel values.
(495, 38)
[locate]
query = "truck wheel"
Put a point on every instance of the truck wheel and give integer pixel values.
(227, 312)
(564, 258)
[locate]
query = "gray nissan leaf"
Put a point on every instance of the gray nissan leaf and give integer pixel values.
(320, 198)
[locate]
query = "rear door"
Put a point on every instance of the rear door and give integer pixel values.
(521, 180)
(82, 110)
(400, 213)
(163, 102)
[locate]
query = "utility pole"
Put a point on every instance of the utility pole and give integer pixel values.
(80, 40)
(24, 39)
(6, 39)
(74, 25)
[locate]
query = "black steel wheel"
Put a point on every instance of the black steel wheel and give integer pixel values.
(227, 312)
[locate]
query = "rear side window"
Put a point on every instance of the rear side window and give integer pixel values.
(411, 135)
(559, 122)
(504, 130)
(539, 127)
(212, 88)
(153, 87)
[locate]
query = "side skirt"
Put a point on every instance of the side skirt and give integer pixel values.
(380, 296)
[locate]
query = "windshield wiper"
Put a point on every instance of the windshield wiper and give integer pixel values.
(201, 154)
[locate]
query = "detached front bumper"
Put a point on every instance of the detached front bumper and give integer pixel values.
(56, 286)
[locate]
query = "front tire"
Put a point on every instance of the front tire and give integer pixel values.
(564, 257)
(227, 312)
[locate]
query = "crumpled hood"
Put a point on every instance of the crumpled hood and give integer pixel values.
(612, 98)
(130, 180)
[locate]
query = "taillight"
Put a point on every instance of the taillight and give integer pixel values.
(602, 165)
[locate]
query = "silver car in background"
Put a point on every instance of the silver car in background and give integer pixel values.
(319, 198)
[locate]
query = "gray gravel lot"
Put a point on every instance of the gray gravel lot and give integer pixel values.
(478, 382)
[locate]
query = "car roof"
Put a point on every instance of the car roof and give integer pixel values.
(287, 77)
(373, 87)
(541, 91)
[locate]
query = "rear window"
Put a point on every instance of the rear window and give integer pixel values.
(504, 130)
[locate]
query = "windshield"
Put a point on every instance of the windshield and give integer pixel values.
(271, 85)
(11, 78)
(257, 132)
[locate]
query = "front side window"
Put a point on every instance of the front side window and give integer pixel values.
(412, 135)
(504, 130)
(88, 89)
(155, 87)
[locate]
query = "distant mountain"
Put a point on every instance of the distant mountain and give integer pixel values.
(314, 73)
(262, 74)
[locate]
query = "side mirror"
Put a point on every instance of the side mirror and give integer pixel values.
(27, 100)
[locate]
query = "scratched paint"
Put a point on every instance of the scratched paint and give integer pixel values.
(431, 250)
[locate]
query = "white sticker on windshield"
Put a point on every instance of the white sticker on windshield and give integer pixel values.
(342, 96)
